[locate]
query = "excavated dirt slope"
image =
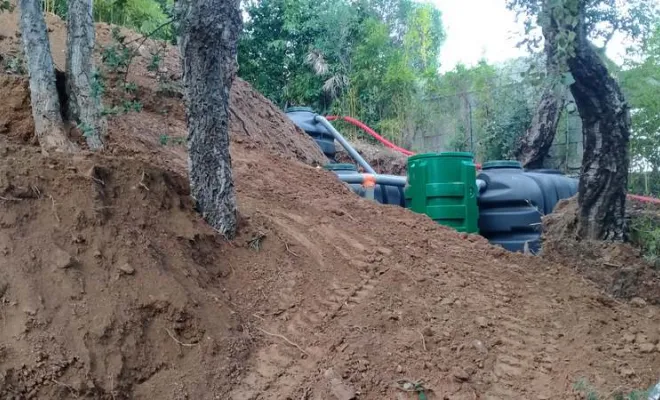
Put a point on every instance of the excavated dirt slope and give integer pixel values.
(112, 288)
(383, 160)
(618, 268)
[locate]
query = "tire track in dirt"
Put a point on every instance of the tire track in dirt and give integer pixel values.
(521, 352)
(299, 335)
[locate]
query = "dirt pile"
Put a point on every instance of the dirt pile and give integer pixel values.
(383, 160)
(254, 119)
(112, 288)
(620, 269)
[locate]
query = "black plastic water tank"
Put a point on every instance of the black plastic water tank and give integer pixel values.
(510, 208)
(303, 118)
(554, 187)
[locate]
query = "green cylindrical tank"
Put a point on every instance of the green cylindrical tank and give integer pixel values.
(444, 187)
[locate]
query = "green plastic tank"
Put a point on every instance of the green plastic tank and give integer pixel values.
(444, 187)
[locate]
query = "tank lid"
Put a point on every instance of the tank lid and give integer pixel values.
(447, 154)
(298, 109)
(340, 167)
(502, 164)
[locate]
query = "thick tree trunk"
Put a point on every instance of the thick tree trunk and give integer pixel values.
(209, 31)
(84, 105)
(535, 145)
(48, 124)
(606, 133)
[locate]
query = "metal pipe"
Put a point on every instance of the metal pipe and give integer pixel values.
(391, 180)
(353, 153)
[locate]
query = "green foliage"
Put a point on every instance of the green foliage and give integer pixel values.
(143, 16)
(484, 109)
(583, 387)
(5, 5)
(645, 232)
(641, 84)
(117, 56)
(169, 140)
(371, 59)
(15, 65)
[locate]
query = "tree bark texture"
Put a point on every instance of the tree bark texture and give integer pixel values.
(209, 31)
(534, 146)
(84, 98)
(48, 124)
(606, 134)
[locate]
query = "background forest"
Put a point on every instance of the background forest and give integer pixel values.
(378, 61)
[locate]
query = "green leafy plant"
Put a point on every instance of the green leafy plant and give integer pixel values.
(645, 233)
(582, 386)
(167, 140)
(15, 65)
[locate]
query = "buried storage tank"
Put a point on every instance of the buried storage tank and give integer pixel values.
(443, 186)
(304, 118)
(510, 209)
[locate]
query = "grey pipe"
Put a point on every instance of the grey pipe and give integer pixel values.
(481, 184)
(353, 153)
(391, 180)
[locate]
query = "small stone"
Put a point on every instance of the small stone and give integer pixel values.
(482, 322)
(341, 391)
(62, 259)
(479, 346)
(638, 302)
(641, 338)
(399, 369)
(647, 348)
(384, 251)
(447, 301)
(629, 338)
(427, 331)
(97, 253)
(460, 375)
(627, 372)
(127, 269)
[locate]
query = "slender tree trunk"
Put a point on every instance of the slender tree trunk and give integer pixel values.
(48, 124)
(209, 31)
(84, 94)
(535, 145)
(606, 133)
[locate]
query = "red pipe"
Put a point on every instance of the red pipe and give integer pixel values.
(644, 199)
(371, 132)
(390, 145)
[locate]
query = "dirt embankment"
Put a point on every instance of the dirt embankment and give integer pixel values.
(383, 160)
(619, 268)
(112, 288)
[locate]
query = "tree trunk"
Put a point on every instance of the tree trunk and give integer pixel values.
(535, 145)
(83, 91)
(48, 124)
(606, 133)
(209, 31)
